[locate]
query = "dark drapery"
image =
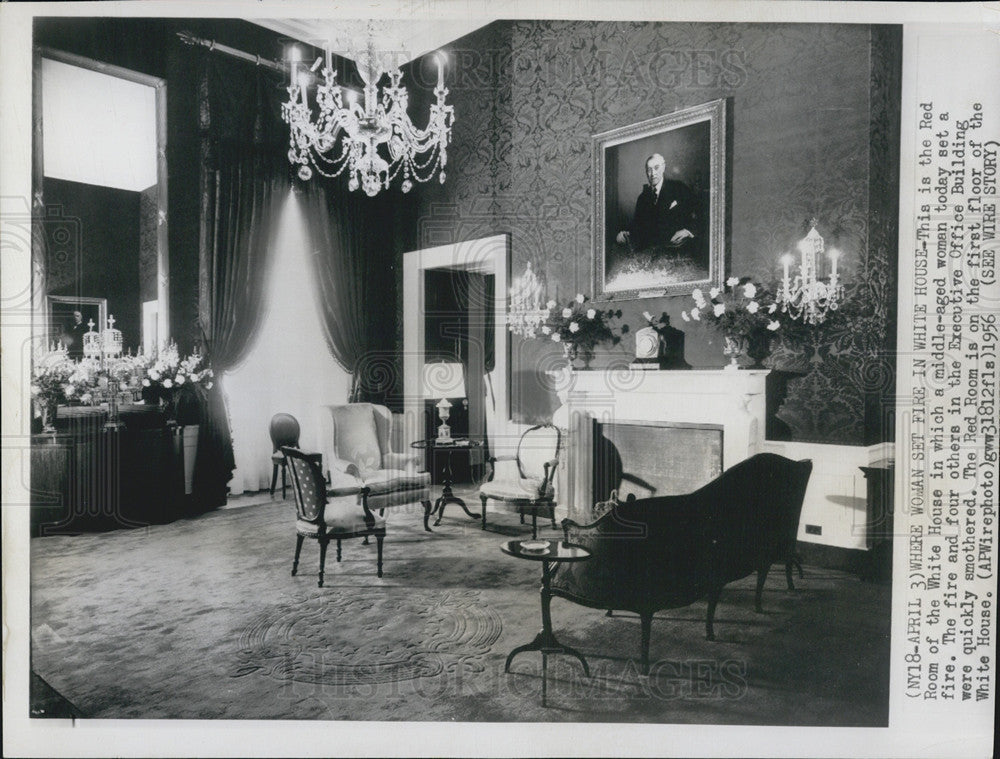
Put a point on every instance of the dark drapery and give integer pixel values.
(243, 184)
(356, 247)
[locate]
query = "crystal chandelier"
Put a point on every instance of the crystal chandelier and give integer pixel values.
(807, 297)
(526, 311)
(374, 141)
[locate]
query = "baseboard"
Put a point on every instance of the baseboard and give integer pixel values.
(874, 565)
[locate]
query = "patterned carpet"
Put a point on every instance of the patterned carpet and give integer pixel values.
(201, 619)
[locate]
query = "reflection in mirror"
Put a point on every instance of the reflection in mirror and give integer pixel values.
(104, 193)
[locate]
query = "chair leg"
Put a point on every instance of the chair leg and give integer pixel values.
(378, 540)
(274, 478)
(338, 550)
(298, 550)
(713, 600)
(283, 482)
(534, 525)
(322, 559)
(366, 540)
(522, 517)
(483, 499)
(646, 621)
(761, 577)
(427, 516)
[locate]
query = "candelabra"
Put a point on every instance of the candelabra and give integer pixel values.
(380, 122)
(807, 296)
(526, 312)
(106, 346)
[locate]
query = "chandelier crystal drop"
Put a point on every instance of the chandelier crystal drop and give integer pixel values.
(526, 313)
(807, 296)
(373, 140)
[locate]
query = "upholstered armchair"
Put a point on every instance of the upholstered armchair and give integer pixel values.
(671, 551)
(318, 517)
(356, 449)
(524, 482)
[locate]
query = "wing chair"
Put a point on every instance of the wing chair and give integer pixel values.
(322, 519)
(670, 551)
(524, 482)
(355, 438)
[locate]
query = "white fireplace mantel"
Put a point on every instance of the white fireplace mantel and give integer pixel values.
(731, 400)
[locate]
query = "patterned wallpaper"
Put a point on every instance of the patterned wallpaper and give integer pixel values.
(812, 116)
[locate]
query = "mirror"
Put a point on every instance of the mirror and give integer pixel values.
(101, 180)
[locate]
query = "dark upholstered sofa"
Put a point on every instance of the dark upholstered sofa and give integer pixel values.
(670, 551)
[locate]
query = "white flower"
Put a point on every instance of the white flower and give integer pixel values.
(550, 305)
(208, 385)
(555, 337)
(772, 308)
(696, 314)
(145, 382)
(685, 317)
(753, 306)
(546, 329)
(697, 294)
(70, 390)
(168, 383)
(733, 281)
(714, 292)
(719, 309)
(591, 313)
(154, 375)
(580, 298)
(180, 379)
(749, 290)
(567, 312)
(773, 325)
(574, 327)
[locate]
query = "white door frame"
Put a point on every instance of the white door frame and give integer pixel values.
(487, 255)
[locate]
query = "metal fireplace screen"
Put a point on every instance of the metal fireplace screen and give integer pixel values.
(654, 458)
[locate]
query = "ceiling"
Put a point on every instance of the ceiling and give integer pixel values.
(405, 39)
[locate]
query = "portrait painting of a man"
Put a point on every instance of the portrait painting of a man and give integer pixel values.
(659, 207)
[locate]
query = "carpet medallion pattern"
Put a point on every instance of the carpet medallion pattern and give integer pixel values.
(391, 636)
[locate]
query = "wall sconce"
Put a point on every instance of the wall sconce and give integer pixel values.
(807, 297)
(444, 380)
(526, 313)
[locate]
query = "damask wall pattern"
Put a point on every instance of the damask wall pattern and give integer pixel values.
(809, 123)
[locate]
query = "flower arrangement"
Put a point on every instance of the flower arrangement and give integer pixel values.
(745, 312)
(50, 373)
(168, 371)
(580, 327)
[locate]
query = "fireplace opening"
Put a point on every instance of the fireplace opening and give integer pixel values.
(654, 458)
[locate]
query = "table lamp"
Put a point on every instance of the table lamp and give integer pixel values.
(444, 380)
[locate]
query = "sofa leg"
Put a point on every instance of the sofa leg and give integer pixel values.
(427, 516)
(298, 550)
(713, 600)
(338, 550)
(647, 624)
(378, 540)
(761, 577)
(522, 517)
(483, 499)
(610, 613)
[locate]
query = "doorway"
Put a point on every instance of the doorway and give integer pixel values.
(454, 310)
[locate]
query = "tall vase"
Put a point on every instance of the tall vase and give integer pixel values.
(731, 349)
(49, 408)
